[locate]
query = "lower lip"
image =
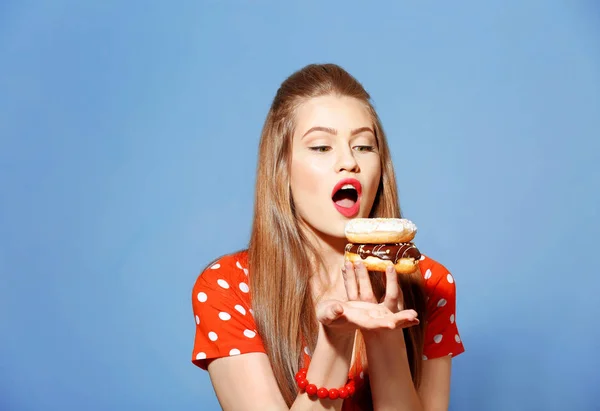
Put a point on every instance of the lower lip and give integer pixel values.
(348, 212)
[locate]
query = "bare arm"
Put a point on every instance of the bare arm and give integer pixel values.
(246, 382)
(389, 373)
(391, 380)
(435, 384)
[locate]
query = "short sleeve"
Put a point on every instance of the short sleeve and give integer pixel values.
(442, 337)
(221, 306)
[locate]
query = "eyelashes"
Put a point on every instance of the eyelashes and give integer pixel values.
(324, 149)
(365, 148)
(320, 149)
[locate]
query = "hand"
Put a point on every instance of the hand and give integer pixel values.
(362, 311)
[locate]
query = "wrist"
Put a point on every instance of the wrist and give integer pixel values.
(342, 343)
(329, 367)
(388, 337)
(312, 390)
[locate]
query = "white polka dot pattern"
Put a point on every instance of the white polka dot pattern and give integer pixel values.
(441, 335)
(222, 302)
(238, 265)
(221, 307)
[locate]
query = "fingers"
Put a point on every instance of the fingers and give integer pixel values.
(402, 319)
(392, 290)
(368, 316)
(364, 283)
(350, 281)
(329, 311)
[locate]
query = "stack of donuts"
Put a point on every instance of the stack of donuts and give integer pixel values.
(380, 242)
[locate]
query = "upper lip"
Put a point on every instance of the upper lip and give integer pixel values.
(354, 182)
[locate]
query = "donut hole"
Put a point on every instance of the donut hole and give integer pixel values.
(346, 197)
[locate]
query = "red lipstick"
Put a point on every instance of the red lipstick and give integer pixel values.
(344, 207)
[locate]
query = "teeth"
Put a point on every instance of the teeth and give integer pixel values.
(348, 186)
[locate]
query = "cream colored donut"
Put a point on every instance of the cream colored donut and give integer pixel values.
(403, 266)
(380, 230)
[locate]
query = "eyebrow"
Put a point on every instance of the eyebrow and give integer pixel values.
(334, 131)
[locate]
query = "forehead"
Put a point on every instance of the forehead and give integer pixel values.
(340, 113)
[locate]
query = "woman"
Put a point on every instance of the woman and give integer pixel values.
(291, 301)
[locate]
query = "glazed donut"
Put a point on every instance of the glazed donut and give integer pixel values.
(380, 242)
(380, 230)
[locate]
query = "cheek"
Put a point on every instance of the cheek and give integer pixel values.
(302, 178)
(307, 182)
(373, 179)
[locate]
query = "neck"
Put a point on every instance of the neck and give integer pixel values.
(330, 250)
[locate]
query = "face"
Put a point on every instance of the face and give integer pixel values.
(335, 164)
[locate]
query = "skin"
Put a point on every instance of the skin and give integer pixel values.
(334, 140)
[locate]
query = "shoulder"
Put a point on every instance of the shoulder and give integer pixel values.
(439, 286)
(226, 272)
(442, 337)
(231, 265)
(435, 274)
(222, 311)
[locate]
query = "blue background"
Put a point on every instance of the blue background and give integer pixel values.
(129, 133)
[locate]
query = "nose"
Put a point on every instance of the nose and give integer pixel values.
(345, 160)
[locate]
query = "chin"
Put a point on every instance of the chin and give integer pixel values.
(338, 229)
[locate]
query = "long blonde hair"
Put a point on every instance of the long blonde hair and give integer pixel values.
(279, 254)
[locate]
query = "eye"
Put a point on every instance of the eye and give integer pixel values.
(365, 148)
(320, 149)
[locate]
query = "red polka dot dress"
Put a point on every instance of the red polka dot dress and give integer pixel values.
(225, 325)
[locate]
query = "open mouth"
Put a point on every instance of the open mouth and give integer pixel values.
(346, 197)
